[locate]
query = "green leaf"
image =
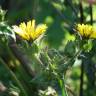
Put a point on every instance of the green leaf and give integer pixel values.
(6, 31)
(88, 46)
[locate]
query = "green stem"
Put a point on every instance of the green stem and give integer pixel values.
(14, 77)
(62, 85)
(82, 69)
(91, 14)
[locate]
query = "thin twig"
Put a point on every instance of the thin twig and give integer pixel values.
(81, 12)
(91, 14)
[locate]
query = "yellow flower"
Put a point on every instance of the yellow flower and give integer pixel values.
(86, 30)
(30, 31)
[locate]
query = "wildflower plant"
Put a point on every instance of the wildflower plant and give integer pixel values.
(86, 31)
(85, 41)
(30, 31)
(86, 35)
(54, 63)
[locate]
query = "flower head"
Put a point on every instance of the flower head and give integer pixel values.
(86, 30)
(30, 31)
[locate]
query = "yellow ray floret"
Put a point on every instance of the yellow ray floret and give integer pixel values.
(30, 31)
(86, 30)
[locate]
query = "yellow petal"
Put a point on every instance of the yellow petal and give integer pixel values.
(29, 24)
(33, 23)
(80, 29)
(28, 28)
(40, 29)
(93, 35)
(32, 29)
(20, 32)
(23, 26)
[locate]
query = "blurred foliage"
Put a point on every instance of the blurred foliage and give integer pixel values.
(53, 56)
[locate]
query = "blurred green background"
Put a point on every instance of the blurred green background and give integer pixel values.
(60, 17)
